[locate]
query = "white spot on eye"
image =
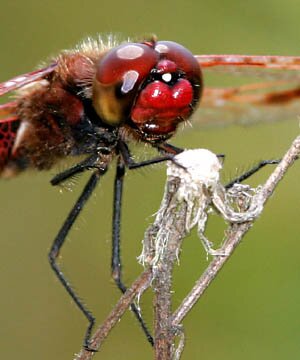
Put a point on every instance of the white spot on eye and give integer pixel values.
(130, 52)
(167, 77)
(129, 80)
(161, 48)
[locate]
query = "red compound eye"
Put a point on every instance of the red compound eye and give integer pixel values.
(118, 75)
(181, 56)
(171, 95)
(132, 58)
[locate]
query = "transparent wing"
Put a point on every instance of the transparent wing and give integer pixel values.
(22, 80)
(239, 62)
(268, 90)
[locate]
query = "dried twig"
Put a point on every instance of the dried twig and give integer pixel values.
(185, 204)
(139, 285)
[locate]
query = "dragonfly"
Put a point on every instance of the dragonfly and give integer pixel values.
(94, 100)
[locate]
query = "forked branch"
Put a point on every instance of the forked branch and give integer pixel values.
(235, 234)
(192, 188)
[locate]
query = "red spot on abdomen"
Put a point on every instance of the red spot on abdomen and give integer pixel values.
(8, 131)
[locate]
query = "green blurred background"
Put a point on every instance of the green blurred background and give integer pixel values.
(252, 310)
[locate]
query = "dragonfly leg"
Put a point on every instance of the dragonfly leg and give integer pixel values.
(86, 164)
(131, 164)
(251, 171)
(116, 264)
(58, 243)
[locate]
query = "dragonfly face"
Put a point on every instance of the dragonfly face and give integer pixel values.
(153, 86)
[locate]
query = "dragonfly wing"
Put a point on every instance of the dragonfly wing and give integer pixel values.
(25, 79)
(270, 89)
